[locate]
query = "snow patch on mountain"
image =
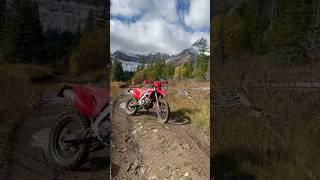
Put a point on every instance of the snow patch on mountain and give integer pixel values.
(131, 61)
(129, 66)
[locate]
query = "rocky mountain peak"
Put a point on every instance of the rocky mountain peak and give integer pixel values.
(202, 42)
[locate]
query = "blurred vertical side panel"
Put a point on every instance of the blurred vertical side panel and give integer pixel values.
(51, 50)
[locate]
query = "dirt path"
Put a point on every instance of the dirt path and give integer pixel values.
(142, 148)
(28, 158)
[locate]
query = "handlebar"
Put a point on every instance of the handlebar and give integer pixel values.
(150, 82)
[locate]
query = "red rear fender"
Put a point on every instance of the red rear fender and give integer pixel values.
(135, 93)
(88, 100)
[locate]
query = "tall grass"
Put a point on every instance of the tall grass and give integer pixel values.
(247, 148)
(194, 107)
(117, 88)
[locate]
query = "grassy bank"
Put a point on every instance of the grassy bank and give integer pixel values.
(195, 106)
(284, 146)
(18, 96)
(116, 88)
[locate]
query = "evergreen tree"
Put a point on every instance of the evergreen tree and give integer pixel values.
(90, 22)
(21, 35)
(189, 70)
(8, 33)
(288, 25)
(117, 71)
(101, 13)
(254, 25)
(169, 70)
(127, 75)
(201, 66)
(154, 70)
(3, 7)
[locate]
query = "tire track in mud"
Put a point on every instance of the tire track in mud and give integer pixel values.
(204, 147)
(157, 151)
(123, 165)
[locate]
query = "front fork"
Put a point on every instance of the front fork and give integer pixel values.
(155, 93)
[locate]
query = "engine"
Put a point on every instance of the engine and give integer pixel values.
(144, 100)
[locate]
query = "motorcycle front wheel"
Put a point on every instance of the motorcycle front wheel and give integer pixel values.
(131, 107)
(163, 111)
(68, 155)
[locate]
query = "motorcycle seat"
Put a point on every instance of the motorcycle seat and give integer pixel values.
(140, 91)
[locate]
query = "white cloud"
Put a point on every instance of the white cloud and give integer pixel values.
(158, 30)
(165, 9)
(199, 14)
(129, 7)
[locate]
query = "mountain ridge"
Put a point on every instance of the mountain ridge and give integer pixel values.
(187, 55)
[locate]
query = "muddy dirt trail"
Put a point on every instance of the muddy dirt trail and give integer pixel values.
(28, 157)
(143, 148)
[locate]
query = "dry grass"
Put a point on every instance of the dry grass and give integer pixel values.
(117, 88)
(247, 148)
(18, 96)
(196, 107)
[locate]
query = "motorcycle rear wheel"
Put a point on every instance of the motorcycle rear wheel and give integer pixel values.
(56, 146)
(164, 113)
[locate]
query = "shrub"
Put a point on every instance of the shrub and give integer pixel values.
(138, 77)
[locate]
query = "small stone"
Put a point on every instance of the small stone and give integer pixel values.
(124, 149)
(155, 130)
(142, 170)
(186, 174)
(127, 139)
(186, 146)
(167, 127)
(154, 177)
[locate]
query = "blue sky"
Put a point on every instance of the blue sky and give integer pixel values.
(169, 26)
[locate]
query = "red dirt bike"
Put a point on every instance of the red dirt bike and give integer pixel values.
(146, 98)
(83, 129)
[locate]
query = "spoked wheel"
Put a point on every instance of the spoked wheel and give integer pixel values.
(131, 106)
(65, 154)
(163, 111)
